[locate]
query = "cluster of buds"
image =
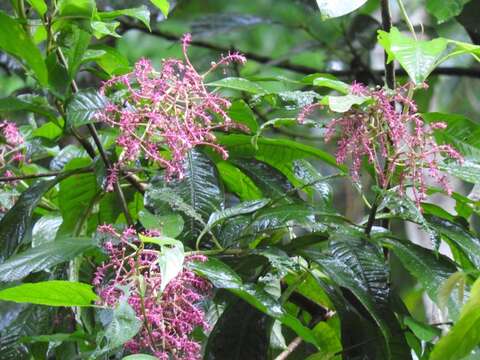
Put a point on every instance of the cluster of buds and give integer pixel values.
(396, 141)
(168, 317)
(162, 115)
(10, 145)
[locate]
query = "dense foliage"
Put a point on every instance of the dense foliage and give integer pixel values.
(239, 180)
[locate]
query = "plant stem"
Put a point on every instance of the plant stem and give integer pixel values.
(407, 19)
(387, 25)
(290, 348)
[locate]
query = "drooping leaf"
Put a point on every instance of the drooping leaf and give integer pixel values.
(52, 293)
(45, 229)
(79, 44)
(16, 224)
(84, 105)
(35, 104)
(340, 86)
(344, 103)
(423, 331)
(39, 5)
(464, 336)
(333, 8)
(112, 61)
(15, 41)
(359, 267)
(241, 113)
(79, 8)
(42, 257)
(171, 264)
(417, 57)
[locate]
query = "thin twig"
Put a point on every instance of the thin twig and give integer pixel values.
(290, 348)
(39, 175)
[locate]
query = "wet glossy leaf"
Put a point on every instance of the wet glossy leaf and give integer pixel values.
(237, 181)
(124, 326)
(42, 257)
(241, 113)
(240, 84)
(171, 264)
(417, 57)
(140, 13)
(84, 105)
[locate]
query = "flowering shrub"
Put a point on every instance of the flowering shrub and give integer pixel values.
(10, 141)
(171, 109)
(168, 316)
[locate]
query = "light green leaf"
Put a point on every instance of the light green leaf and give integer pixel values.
(77, 8)
(337, 85)
(464, 336)
(170, 225)
(39, 5)
(240, 84)
(48, 131)
(52, 293)
(417, 57)
(171, 264)
(124, 325)
(423, 331)
(163, 5)
(102, 29)
(335, 8)
(140, 13)
(237, 182)
(42, 257)
(444, 10)
(344, 103)
(15, 41)
(140, 357)
(241, 113)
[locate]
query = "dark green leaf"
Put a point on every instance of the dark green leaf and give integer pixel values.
(239, 334)
(15, 41)
(84, 105)
(423, 331)
(35, 104)
(237, 182)
(140, 13)
(52, 293)
(79, 44)
(42, 257)
(241, 113)
(240, 84)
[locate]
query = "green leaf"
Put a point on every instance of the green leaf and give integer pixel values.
(34, 104)
(240, 333)
(307, 174)
(340, 86)
(49, 131)
(241, 113)
(140, 13)
(273, 151)
(77, 8)
(76, 196)
(198, 194)
(464, 336)
(163, 5)
(430, 269)
(112, 61)
(468, 171)
(417, 57)
(84, 105)
(45, 229)
(79, 44)
(52, 293)
(15, 41)
(444, 10)
(237, 182)
(16, 223)
(170, 225)
(124, 325)
(39, 5)
(42, 257)
(359, 267)
(140, 357)
(334, 8)
(469, 243)
(421, 330)
(344, 103)
(171, 264)
(240, 84)
(102, 29)
(223, 277)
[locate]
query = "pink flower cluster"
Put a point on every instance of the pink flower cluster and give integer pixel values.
(396, 141)
(168, 110)
(10, 142)
(168, 317)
